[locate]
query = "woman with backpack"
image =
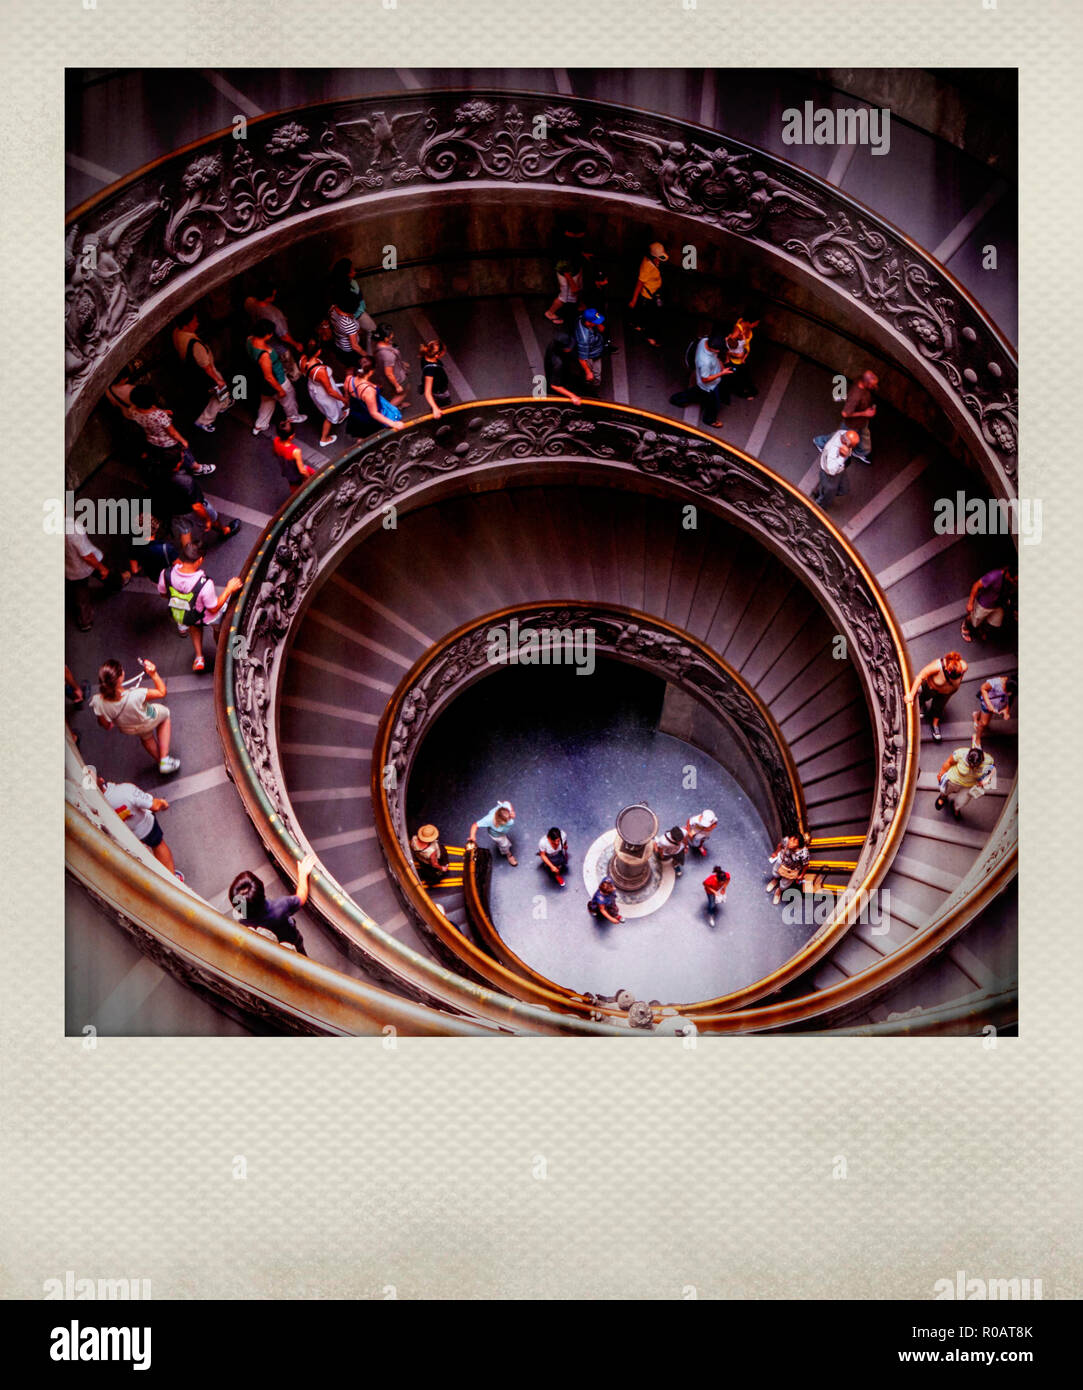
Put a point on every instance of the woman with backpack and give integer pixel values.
(369, 411)
(323, 391)
(121, 705)
(193, 602)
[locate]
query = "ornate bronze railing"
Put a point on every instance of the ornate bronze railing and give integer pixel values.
(152, 243)
(464, 657)
(485, 444)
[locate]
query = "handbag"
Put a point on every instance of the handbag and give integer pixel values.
(386, 408)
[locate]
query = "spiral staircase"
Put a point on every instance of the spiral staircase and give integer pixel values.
(483, 543)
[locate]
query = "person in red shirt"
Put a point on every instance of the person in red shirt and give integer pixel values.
(288, 452)
(715, 885)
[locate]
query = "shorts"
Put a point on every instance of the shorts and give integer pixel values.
(141, 727)
(993, 617)
(154, 837)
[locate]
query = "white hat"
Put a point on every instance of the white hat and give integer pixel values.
(707, 818)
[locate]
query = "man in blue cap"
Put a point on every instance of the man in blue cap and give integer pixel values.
(590, 344)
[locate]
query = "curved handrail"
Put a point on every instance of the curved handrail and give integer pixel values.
(491, 441)
(135, 252)
(458, 660)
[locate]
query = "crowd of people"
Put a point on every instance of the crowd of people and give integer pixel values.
(357, 380)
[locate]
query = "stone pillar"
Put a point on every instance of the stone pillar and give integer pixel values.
(630, 866)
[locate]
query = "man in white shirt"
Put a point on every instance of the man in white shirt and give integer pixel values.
(835, 451)
(82, 558)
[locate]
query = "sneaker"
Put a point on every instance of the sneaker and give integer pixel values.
(207, 429)
(169, 764)
(181, 629)
(258, 431)
(199, 664)
(177, 874)
(711, 918)
(232, 527)
(329, 440)
(677, 871)
(937, 735)
(298, 419)
(203, 470)
(560, 881)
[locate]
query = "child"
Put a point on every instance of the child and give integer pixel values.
(288, 452)
(192, 598)
(715, 885)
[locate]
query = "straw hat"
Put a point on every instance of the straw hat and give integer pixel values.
(427, 834)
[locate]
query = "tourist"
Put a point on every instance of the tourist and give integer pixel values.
(391, 370)
(933, 687)
(738, 349)
(138, 809)
(248, 898)
(858, 410)
(193, 602)
(789, 864)
(996, 697)
(697, 831)
(646, 301)
(166, 446)
(199, 360)
(715, 885)
(835, 451)
(430, 857)
(344, 318)
(604, 902)
(710, 372)
(82, 558)
(150, 558)
(345, 288)
(670, 849)
(369, 412)
(288, 452)
(274, 388)
(323, 391)
(563, 374)
(192, 516)
(590, 345)
(991, 597)
(499, 822)
(968, 773)
(553, 853)
(127, 708)
(434, 383)
(261, 305)
(569, 290)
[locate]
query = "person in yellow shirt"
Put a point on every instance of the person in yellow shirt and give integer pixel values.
(647, 296)
(968, 773)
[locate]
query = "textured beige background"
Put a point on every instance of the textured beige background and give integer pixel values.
(664, 1169)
